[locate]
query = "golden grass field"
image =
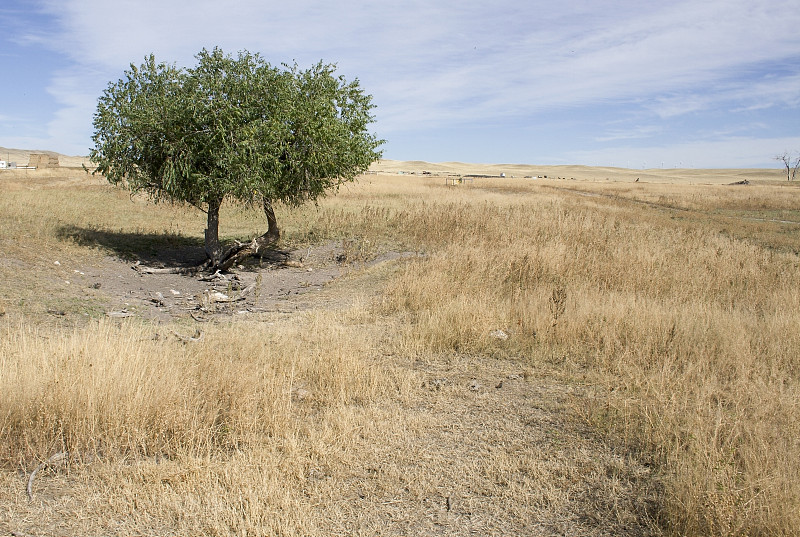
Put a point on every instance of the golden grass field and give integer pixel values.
(578, 355)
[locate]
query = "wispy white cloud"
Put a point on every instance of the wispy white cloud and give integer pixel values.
(448, 63)
(500, 51)
(631, 133)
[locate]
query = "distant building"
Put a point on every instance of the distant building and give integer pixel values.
(3, 165)
(43, 160)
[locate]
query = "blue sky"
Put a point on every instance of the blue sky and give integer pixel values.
(615, 83)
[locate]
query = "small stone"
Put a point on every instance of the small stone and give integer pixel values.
(499, 334)
(301, 394)
(436, 384)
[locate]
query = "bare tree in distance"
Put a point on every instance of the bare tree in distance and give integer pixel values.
(790, 166)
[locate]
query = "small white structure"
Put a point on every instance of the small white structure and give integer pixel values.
(3, 165)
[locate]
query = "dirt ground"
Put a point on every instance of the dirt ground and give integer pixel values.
(266, 284)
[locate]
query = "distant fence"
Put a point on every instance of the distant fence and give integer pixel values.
(453, 180)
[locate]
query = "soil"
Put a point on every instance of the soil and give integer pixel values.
(279, 281)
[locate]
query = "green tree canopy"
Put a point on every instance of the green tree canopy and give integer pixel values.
(233, 128)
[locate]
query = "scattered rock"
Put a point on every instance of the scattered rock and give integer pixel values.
(499, 334)
(119, 314)
(435, 384)
(198, 336)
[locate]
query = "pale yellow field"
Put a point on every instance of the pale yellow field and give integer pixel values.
(585, 173)
(549, 356)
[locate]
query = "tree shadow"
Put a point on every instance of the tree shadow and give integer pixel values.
(166, 249)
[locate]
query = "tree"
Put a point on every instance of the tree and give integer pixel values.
(791, 167)
(233, 128)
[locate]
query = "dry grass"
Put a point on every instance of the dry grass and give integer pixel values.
(696, 331)
(664, 316)
(127, 391)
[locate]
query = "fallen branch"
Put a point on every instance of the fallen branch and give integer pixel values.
(58, 457)
(246, 291)
(141, 269)
(198, 335)
(216, 276)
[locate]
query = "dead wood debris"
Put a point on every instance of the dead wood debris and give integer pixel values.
(198, 336)
(142, 269)
(58, 457)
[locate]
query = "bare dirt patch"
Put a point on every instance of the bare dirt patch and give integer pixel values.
(489, 447)
(279, 281)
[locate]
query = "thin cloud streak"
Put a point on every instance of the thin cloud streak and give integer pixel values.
(737, 153)
(447, 65)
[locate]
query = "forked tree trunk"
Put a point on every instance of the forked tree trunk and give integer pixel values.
(217, 259)
(236, 253)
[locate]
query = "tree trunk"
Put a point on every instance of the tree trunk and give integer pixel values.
(217, 259)
(273, 233)
(239, 251)
(213, 249)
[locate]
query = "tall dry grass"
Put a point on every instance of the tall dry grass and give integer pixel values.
(133, 390)
(695, 333)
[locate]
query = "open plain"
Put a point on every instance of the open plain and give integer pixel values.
(600, 351)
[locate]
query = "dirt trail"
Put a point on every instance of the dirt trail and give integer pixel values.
(491, 448)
